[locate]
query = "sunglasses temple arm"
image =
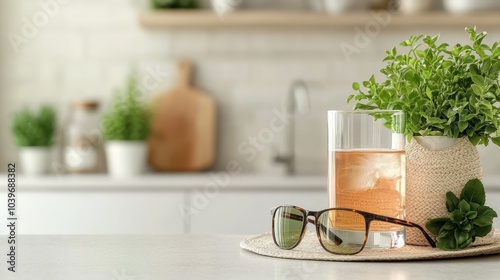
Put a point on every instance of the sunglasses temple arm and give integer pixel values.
(405, 223)
(429, 239)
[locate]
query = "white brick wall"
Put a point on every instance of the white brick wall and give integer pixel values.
(88, 47)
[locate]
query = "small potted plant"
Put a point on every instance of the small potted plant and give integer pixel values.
(451, 98)
(125, 129)
(174, 4)
(34, 134)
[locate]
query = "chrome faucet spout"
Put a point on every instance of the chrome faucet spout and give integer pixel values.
(296, 103)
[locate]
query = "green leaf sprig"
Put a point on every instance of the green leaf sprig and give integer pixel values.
(444, 90)
(469, 218)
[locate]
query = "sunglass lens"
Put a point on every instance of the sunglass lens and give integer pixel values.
(287, 226)
(342, 231)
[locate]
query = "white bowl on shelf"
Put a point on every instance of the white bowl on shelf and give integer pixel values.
(415, 6)
(465, 6)
(340, 6)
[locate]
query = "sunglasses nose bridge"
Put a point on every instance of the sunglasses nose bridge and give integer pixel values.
(312, 214)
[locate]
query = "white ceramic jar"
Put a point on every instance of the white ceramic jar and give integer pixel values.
(465, 6)
(83, 140)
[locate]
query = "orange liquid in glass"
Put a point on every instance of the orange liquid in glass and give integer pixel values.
(369, 180)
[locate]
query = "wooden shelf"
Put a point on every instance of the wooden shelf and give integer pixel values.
(207, 19)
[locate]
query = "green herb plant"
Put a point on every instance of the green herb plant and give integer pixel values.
(128, 118)
(174, 4)
(469, 218)
(443, 90)
(30, 129)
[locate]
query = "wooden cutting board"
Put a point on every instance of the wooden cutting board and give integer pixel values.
(183, 127)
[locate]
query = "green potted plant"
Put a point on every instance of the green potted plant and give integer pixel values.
(34, 133)
(174, 4)
(125, 129)
(450, 95)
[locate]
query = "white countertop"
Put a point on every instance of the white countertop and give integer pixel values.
(184, 182)
(168, 182)
(207, 257)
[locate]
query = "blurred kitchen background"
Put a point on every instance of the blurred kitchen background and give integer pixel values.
(247, 55)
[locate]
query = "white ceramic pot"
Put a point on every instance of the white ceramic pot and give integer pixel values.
(436, 142)
(126, 158)
(222, 7)
(415, 6)
(340, 6)
(465, 6)
(34, 160)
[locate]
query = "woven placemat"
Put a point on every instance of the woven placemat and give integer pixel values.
(310, 249)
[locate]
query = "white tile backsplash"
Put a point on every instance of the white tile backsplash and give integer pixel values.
(228, 41)
(117, 15)
(189, 42)
(221, 69)
(287, 69)
(89, 46)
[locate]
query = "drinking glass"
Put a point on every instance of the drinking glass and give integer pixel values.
(366, 170)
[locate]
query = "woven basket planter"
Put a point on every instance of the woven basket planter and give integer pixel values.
(430, 174)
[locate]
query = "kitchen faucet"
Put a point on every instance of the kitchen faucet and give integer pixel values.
(296, 102)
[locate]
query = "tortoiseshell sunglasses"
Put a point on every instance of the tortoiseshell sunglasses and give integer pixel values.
(339, 230)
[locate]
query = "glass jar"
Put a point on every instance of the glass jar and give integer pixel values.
(83, 139)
